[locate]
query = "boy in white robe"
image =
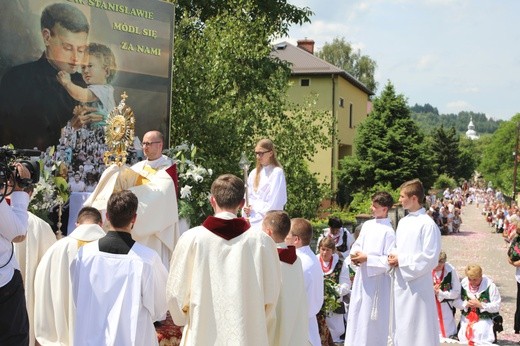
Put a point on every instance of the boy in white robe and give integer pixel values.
(300, 236)
(292, 327)
(479, 302)
(225, 279)
(446, 284)
(54, 308)
(416, 253)
(117, 283)
(369, 308)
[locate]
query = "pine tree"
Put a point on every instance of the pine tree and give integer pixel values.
(390, 148)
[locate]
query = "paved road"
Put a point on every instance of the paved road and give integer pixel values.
(477, 244)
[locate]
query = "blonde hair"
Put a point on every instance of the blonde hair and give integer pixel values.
(302, 228)
(442, 257)
(268, 145)
(413, 188)
(105, 54)
(328, 243)
(473, 271)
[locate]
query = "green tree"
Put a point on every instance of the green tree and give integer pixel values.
(445, 150)
(429, 119)
(228, 92)
(389, 148)
(341, 54)
(498, 160)
(470, 154)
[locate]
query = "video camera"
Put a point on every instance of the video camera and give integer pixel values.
(8, 157)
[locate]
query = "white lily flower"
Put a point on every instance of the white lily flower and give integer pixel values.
(186, 192)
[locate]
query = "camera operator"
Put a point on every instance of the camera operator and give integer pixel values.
(14, 323)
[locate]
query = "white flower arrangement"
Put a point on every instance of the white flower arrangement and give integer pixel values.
(194, 183)
(51, 190)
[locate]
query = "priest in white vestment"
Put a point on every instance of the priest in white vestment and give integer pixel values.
(479, 302)
(153, 143)
(117, 283)
(158, 223)
(29, 253)
(54, 308)
(416, 253)
(225, 279)
(292, 324)
(300, 236)
(369, 308)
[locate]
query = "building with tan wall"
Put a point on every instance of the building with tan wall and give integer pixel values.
(337, 92)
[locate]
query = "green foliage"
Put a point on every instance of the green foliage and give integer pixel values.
(194, 183)
(429, 119)
(444, 181)
(228, 92)
(331, 299)
(277, 15)
(498, 160)
(306, 193)
(390, 149)
(470, 155)
(362, 200)
(341, 54)
(445, 150)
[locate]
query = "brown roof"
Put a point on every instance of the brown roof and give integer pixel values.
(305, 63)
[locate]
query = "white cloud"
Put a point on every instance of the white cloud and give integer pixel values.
(427, 61)
(434, 51)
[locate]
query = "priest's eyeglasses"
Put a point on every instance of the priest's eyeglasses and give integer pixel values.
(147, 144)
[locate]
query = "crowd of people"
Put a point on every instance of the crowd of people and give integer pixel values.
(386, 286)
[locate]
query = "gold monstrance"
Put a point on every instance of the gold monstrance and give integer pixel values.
(119, 133)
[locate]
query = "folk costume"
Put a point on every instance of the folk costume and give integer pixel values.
(417, 246)
(313, 277)
(54, 313)
(344, 240)
(292, 324)
(29, 254)
(271, 193)
(337, 271)
(476, 325)
(369, 307)
(449, 290)
(224, 284)
(118, 290)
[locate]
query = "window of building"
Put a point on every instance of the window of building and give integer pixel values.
(305, 82)
(341, 102)
(344, 150)
(351, 117)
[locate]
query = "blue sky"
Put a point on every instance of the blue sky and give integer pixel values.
(457, 55)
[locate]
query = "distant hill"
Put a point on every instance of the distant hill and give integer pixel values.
(428, 118)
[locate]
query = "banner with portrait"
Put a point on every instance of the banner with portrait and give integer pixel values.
(65, 64)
